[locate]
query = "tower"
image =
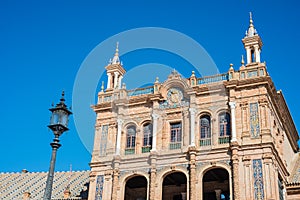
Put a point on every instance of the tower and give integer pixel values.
(252, 43)
(115, 72)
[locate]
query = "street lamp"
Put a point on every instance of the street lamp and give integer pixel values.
(58, 124)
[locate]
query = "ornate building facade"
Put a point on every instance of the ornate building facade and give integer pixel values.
(227, 136)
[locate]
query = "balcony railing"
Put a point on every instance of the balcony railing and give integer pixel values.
(129, 151)
(146, 149)
(205, 142)
(224, 139)
(141, 91)
(212, 79)
(175, 145)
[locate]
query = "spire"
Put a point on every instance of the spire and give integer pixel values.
(251, 30)
(116, 59)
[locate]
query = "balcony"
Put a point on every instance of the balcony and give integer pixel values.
(224, 139)
(129, 151)
(175, 145)
(205, 142)
(146, 149)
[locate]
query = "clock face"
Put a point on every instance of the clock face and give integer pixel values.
(174, 96)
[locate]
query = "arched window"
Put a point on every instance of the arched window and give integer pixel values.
(147, 139)
(224, 128)
(147, 128)
(205, 130)
(205, 126)
(224, 123)
(130, 140)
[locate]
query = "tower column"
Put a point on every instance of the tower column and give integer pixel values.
(116, 80)
(120, 81)
(233, 126)
(109, 80)
(118, 146)
(248, 52)
(192, 115)
(154, 131)
(257, 53)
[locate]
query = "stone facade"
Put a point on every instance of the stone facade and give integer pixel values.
(227, 136)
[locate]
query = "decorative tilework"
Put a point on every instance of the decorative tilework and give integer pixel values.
(254, 120)
(99, 187)
(103, 141)
(258, 180)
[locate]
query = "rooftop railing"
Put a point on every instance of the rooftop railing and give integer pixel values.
(212, 79)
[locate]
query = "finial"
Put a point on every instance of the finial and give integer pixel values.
(116, 59)
(251, 30)
(231, 66)
(193, 74)
(117, 49)
(242, 61)
(62, 99)
(123, 86)
(102, 86)
(157, 80)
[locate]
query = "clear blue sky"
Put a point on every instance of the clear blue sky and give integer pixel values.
(43, 45)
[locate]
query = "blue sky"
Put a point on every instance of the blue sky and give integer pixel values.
(43, 45)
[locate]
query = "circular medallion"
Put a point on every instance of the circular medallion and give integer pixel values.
(174, 96)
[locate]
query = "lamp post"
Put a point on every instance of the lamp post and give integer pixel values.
(58, 124)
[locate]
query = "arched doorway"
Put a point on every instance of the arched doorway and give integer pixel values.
(216, 184)
(174, 186)
(136, 188)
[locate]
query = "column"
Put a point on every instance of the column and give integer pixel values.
(193, 174)
(235, 170)
(116, 79)
(257, 53)
(218, 194)
(153, 157)
(116, 173)
(118, 145)
(248, 51)
(154, 131)
(233, 126)
(109, 80)
(120, 81)
(192, 125)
